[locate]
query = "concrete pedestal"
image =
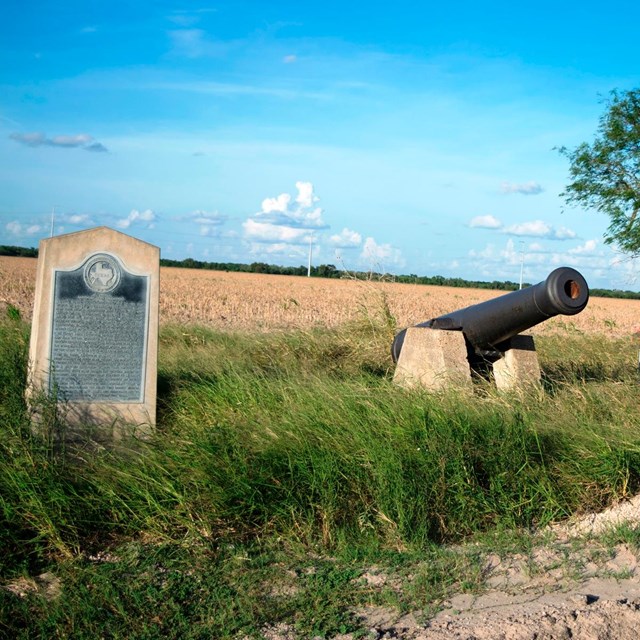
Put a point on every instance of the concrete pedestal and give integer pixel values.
(433, 359)
(518, 366)
(438, 359)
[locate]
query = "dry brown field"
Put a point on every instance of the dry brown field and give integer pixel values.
(256, 302)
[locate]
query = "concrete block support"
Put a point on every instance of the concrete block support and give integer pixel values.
(433, 359)
(437, 360)
(519, 366)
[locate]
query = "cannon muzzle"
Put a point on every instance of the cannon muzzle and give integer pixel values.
(487, 324)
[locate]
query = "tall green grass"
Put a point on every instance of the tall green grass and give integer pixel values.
(302, 440)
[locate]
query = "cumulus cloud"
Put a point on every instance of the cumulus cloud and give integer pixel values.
(505, 262)
(589, 247)
(281, 249)
(533, 228)
(562, 233)
(485, 222)
(346, 238)
(286, 219)
(272, 233)
(75, 219)
(209, 221)
(381, 255)
(540, 229)
(536, 228)
(207, 217)
(526, 188)
(39, 139)
(18, 229)
(144, 218)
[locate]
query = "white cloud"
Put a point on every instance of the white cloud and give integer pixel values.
(289, 59)
(565, 234)
(144, 218)
(281, 203)
(33, 139)
(589, 258)
(305, 197)
(17, 229)
(346, 238)
(485, 222)
(527, 188)
(537, 228)
(285, 219)
(272, 233)
(75, 218)
(209, 221)
(379, 256)
(38, 139)
(281, 249)
(488, 252)
(70, 141)
(540, 229)
(589, 247)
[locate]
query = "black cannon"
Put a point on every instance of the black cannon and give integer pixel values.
(488, 324)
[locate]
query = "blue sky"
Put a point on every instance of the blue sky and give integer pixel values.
(405, 137)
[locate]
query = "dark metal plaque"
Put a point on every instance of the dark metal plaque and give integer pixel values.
(99, 333)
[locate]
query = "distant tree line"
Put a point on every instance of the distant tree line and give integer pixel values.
(20, 252)
(441, 281)
(321, 271)
(330, 271)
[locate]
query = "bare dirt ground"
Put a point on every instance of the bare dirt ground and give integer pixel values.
(571, 585)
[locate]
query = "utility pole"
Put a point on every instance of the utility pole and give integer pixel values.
(521, 261)
(53, 215)
(310, 255)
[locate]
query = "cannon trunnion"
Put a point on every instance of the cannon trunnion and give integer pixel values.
(490, 328)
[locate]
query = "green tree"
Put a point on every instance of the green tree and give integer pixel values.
(605, 175)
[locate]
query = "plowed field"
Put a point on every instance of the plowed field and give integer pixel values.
(256, 302)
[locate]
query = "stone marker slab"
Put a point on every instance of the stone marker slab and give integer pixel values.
(94, 336)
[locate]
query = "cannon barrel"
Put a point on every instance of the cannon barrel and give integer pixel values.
(487, 324)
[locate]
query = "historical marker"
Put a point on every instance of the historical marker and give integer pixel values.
(95, 327)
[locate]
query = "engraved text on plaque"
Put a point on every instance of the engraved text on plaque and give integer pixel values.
(99, 332)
